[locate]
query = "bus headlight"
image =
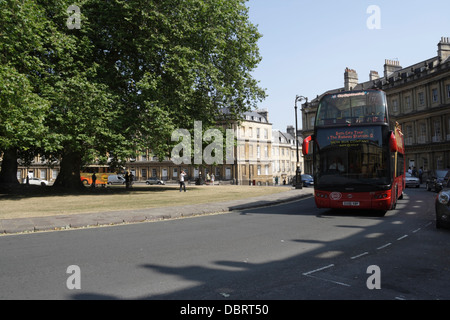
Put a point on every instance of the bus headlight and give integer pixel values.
(444, 197)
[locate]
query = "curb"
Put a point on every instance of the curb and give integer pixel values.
(86, 220)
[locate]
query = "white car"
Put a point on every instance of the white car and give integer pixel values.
(36, 181)
(411, 181)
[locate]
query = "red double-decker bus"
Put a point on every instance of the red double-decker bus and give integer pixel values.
(358, 154)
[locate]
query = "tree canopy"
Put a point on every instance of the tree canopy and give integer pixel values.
(132, 73)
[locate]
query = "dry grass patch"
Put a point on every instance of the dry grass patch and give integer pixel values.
(115, 198)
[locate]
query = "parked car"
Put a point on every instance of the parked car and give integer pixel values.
(154, 180)
(442, 207)
(411, 181)
(437, 179)
(116, 179)
(36, 181)
(307, 180)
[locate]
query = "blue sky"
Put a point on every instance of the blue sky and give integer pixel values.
(307, 45)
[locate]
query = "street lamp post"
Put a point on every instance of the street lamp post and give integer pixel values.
(298, 172)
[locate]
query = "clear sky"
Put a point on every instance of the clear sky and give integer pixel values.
(307, 45)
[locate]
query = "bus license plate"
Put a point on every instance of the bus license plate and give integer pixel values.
(351, 203)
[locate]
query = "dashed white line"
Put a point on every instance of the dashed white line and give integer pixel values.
(359, 255)
(384, 246)
(403, 237)
(328, 280)
(319, 269)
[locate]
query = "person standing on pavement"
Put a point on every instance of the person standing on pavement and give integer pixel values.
(182, 183)
(127, 180)
(94, 180)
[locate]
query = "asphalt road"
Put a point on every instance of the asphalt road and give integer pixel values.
(289, 251)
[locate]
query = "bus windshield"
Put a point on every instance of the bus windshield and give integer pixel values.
(351, 156)
(352, 108)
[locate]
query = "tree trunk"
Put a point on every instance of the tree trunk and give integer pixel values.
(8, 173)
(69, 174)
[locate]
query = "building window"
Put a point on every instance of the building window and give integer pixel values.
(448, 91)
(422, 133)
(421, 98)
(434, 95)
(257, 132)
(267, 169)
(437, 131)
(266, 134)
(408, 103)
(144, 173)
(395, 105)
(259, 170)
(409, 135)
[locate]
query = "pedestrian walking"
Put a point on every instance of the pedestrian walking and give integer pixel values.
(127, 180)
(212, 178)
(182, 183)
(420, 174)
(94, 179)
(131, 179)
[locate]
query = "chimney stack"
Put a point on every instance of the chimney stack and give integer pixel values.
(444, 49)
(391, 66)
(290, 130)
(264, 112)
(373, 75)
(350, 79)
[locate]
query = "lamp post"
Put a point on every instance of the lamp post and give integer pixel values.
(298, 172)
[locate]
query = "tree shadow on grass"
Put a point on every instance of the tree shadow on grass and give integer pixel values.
(22, 191)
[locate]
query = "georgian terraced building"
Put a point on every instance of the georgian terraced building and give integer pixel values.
(418, 99)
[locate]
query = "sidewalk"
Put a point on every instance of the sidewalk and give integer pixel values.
(62, 222)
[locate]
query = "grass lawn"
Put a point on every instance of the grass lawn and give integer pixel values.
(38, 201)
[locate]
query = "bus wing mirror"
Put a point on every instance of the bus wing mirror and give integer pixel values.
(393, 142)
(305, 145)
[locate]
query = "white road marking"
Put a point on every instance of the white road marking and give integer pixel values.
(319, 269)
(384, 246)
(359, 255)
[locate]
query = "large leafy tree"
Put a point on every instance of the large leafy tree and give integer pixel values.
(175, 61)
(22, 109)
(137, 70)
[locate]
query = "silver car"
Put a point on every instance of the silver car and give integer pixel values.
(411, 181)
(154, 180)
